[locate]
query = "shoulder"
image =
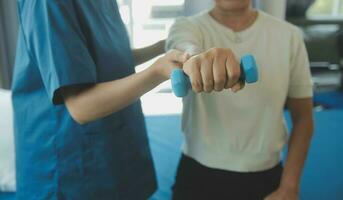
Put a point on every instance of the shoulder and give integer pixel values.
(280, 26)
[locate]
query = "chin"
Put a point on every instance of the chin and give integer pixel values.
(233, 5)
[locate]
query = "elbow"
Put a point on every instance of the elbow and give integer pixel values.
(78, 112)
(80, 120)
(76, 105)
(78, 116)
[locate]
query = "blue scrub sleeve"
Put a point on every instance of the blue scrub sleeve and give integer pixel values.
(57, 44)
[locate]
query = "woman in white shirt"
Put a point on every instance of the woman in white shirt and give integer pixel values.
(233, 140)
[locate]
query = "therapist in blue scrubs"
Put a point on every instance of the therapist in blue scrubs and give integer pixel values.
(79, 128)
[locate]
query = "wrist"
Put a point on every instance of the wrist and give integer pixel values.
(156, 74)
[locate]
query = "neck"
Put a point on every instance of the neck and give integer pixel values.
(237, 20)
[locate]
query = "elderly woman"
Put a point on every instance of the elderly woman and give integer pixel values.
(233, 140)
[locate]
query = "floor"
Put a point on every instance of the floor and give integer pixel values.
(323, 175)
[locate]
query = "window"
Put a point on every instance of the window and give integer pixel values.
(152, 19)
(326, 9)
(147, 22)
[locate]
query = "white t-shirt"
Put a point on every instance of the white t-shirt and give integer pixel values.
(243, 131)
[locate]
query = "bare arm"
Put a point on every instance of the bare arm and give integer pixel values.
(302, 130)
(88, 103)
(142, 55)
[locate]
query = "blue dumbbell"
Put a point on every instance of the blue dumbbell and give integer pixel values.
(181, 83)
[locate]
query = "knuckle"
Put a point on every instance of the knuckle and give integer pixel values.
(235, 76)
(197, 88)
(215, 51)
(230, 83)
(208, 90)
(228, 51)
(218, 89)
(235, 73)
(218, 52)
(208, 56)
(219, 85)
(193, 61)
(196, 84)
(208, 85)
(220, 80)
(202, 57)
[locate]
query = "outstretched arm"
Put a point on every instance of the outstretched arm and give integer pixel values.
(91, 102)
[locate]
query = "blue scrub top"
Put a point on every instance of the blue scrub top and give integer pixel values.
(70, 42)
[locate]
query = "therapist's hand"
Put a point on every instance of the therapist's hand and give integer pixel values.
(215, 69)
(171, 60)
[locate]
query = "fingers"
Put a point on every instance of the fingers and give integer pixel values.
(206, 71)
(177, 56)
(215, 69)
(233, 70)
(219, 73)
(164, 65)
(238, 86)
(192, 69)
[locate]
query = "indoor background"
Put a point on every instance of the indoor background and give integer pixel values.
(321, 22)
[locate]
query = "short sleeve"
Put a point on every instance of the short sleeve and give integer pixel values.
(184, 36)
(300, 85)
(57, 45)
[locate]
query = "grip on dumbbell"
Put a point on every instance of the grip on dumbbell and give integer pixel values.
(181, 83)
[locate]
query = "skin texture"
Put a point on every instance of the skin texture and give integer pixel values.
(215, 69)
(302, 120)
(239, 15)
(91, 102)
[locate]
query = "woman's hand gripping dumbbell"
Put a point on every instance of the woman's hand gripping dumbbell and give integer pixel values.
(215, 69)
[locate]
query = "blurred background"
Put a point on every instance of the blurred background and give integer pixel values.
(147, 22)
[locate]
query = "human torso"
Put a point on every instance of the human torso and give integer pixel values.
(56, 157)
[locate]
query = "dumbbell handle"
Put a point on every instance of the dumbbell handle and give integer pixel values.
(181, 83)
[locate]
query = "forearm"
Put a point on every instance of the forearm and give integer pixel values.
(297, 152)
(102, 99)
(147, 53)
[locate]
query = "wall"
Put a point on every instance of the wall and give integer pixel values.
(8, 39)
(195, 6)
